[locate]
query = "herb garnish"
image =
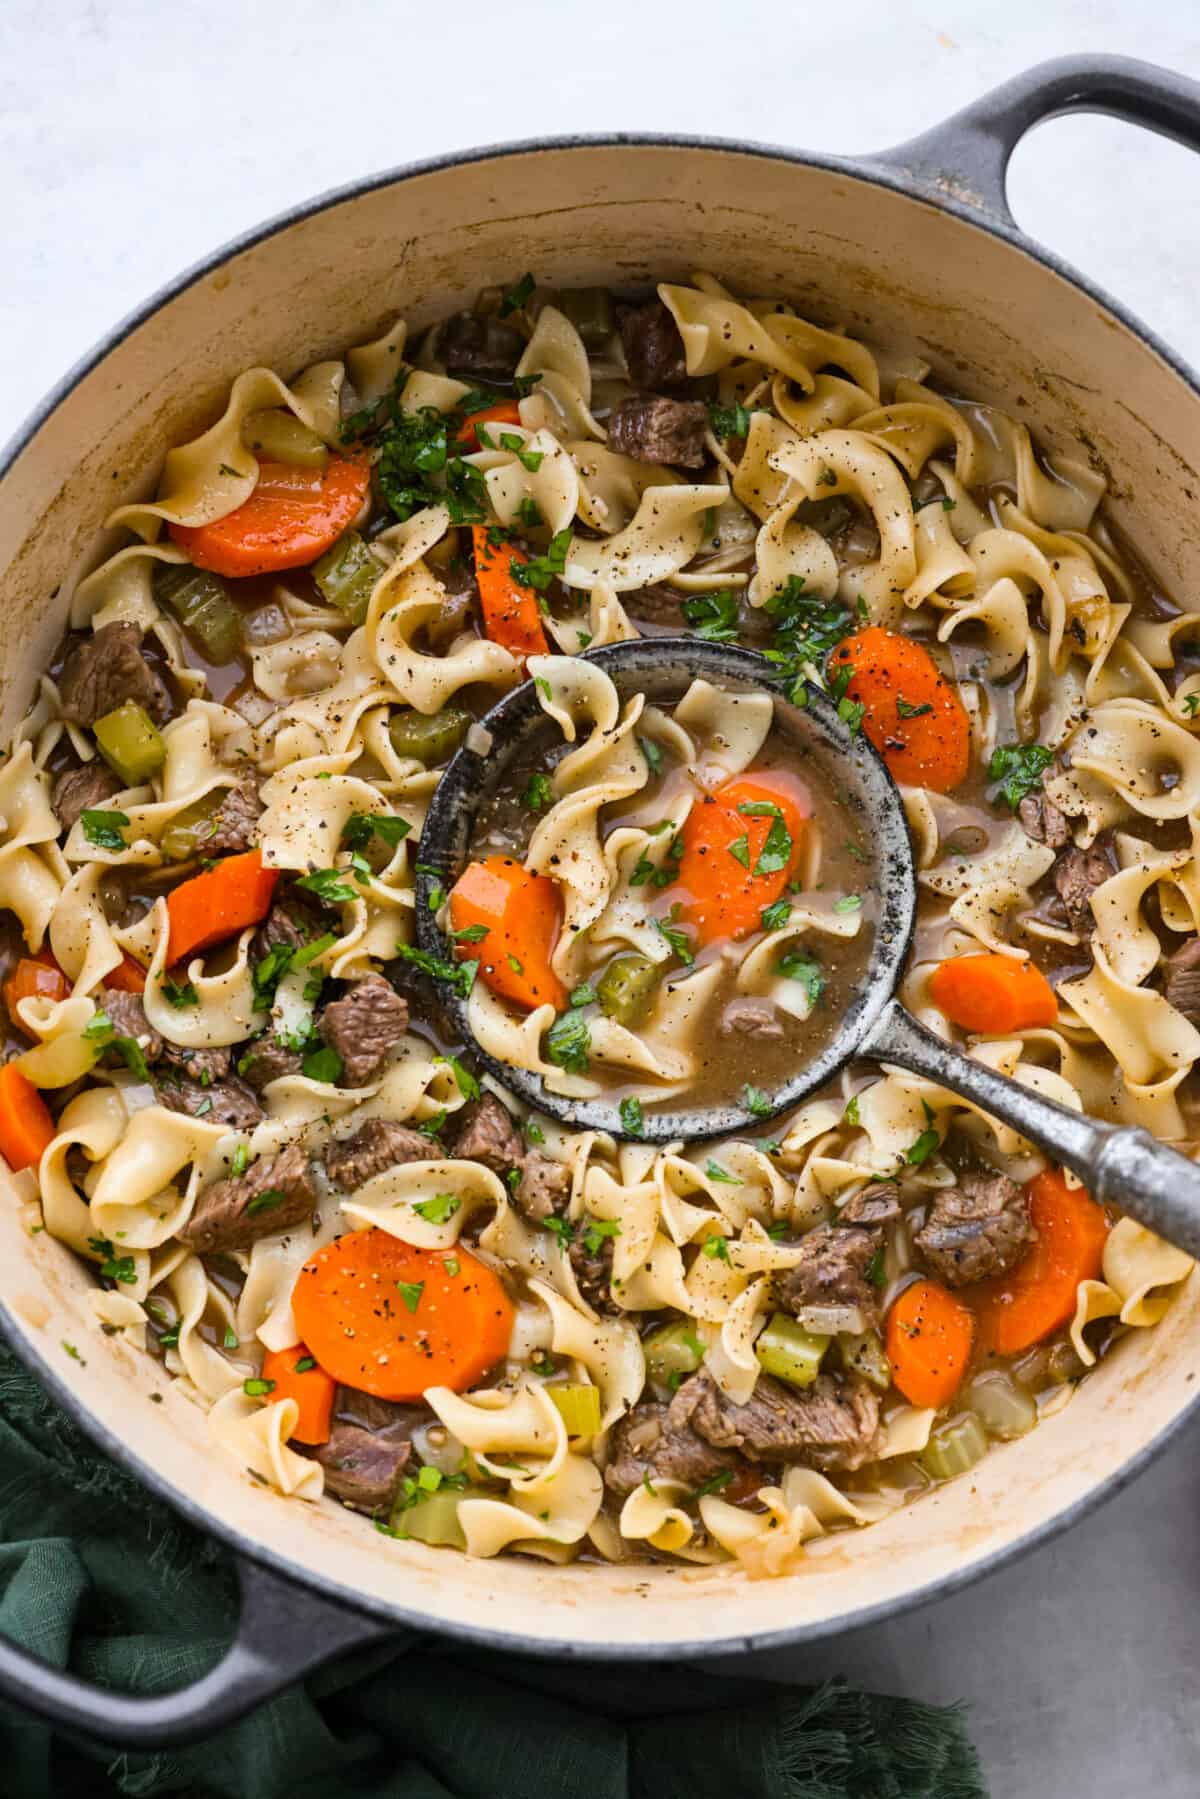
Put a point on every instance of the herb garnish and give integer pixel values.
(569, 1042)
(1019, 768)
(105, 829)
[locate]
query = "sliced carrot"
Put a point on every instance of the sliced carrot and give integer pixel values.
(293, 516)
(308, 1384)
(913, 715)
(511, 615)
(929, 1339)
(506, 413)
(722, 890)
(521, 914)
(34, 976)
(992, 993)
(392, 1320)
(219, 903)
(26, 1127)
(127, 977)
(1038, 1297)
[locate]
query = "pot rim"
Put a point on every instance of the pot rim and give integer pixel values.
(866, 169)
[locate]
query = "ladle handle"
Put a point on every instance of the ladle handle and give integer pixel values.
(1117, 1163)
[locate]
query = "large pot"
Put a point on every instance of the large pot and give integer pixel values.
(916, 245)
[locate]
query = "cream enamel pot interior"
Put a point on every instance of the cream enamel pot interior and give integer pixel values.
(915, 246)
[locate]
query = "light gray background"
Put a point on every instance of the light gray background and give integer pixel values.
(136, 135)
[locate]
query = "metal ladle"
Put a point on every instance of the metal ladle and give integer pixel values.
(1118, 1164)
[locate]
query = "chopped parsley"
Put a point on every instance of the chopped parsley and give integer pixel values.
(756, 1101)
(360, 827)
(920, 1151)
(231, 1340)
(795, 967)
(410, 1292)
(905, 710)
(774, 917)
(514, 962)
(306, 1364)
(534, 1132)
(776, 852)
(468, 1086)
(582, 996)
(652, 753)
(257, 1388)
(180, 995)
(517, 296)
(438, 1210)
(714, 1484)
(266, 1201)
(739, 849)
(715, 1172)
(851, 1114)
(848, 902)
(876, 1269)
(596, 1231)
(105, 829)
(1019, 768)
(323, 1065)
(112, 1266)
(459, 975)
(852, 713)
(569, 1042)
(713, 616)
(329, 885)
(241, 1159)
(432, 1126)
(678, 939)
(729, 421)
(805, 630)
(470, 933)
(268, 973)
(1191, 703)
(538, 794)
(632, 1121)
(539, 571)
(715, 1248)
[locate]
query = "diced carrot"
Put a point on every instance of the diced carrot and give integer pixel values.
(127, 977)
(293, 516)
(296, 1375)
(929, 1338)
(755, 818)
(218, 903)
(992, 993)
(26, 1127)
(392, 1320)
(506, 413)
(1017, 1310)
(913, 715)
(511, 615)
(34, 976)
(520, 915)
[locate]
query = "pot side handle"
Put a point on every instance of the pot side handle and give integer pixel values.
(966, 157)
(284, 1632)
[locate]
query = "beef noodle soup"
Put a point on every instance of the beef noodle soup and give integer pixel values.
(685, 895)
(230, 1084)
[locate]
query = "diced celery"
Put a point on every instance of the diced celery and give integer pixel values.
(346, 576)
(278, 436)
(789, 1352)
(672, 1353)
(954, 1447)
(201, 602)
(60, 1061)
(189, 830)
(590, 310)
(864, 1354)
(432, 1519)
(627, 987)
(429, 739)
(130, 743)
(1002, 1407)
(1063, 1364)
(580, 1408)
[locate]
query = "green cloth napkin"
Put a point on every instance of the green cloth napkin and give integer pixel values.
(97, 1575)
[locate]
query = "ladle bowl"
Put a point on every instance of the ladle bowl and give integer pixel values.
(1120, 1165)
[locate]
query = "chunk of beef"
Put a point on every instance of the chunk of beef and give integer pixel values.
(654, 353)
(380, 1143)
(876, 1205)
(82, 790)
(1041, 819)
(749, 1017)
(1181, 980)
(488, 1135)
(657, 604)
(592, 1267)
(274, 1194)
(292, 921)
(545, 1186)
(647, 1444)
(203, 1066)
(832, 1425)
(480, 349)
(975, 1230)
(127, 1016)
(107, 670)
(832, 1271)
(235, 826)
(267, 1060)
(364, 1468)
(459, 608)
(1077, 874)
(653, 428)
(362, 1027)
(226, 1102)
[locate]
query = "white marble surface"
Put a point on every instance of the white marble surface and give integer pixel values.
(136, 136)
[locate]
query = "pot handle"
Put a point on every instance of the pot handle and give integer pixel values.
(965, 158)
(284, 1632)
(1119, 1164)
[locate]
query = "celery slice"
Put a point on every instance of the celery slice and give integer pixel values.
(130, 743)
(789, 1352)
(579, 1407)
(346, 576)
(955, 1447)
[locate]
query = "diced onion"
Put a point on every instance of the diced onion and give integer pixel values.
(480, 739)
(832, 1321)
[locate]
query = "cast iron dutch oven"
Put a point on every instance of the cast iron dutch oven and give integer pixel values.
(915, 246)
